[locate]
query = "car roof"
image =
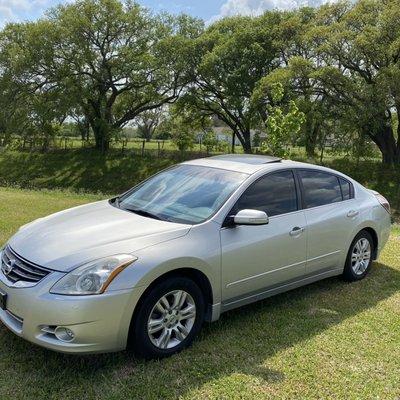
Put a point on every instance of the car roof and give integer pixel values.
(245, 163)
(251, 159)
(250, 164)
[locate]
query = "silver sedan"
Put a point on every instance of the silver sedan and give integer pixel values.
(147, 268)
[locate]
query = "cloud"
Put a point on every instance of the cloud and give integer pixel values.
(257, 7)
(16, 10)
(9, 8)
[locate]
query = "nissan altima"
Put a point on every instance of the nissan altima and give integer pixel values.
(145, 270)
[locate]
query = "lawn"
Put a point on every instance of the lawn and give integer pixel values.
(326, 340)
(86, 170)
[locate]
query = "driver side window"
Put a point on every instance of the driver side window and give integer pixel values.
(274, 194)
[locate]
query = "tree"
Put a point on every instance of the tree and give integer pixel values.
(228, 61)
(13, 101)
(210, 141)
(114, 59)
(282, 125)
(361, 71)
(25, 107)
(182, 134)
(183, 123)
(148, 122)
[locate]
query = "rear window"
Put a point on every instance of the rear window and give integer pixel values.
(320, 188)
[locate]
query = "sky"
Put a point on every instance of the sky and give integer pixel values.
(209, 10)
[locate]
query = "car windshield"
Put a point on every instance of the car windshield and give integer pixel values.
(185, 193)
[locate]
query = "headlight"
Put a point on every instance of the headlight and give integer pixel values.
(93, 277)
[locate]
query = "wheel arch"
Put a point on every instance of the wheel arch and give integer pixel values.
(375, 239)
(374, 236)
(197, 276)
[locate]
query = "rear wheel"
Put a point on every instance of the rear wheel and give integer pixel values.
(359, 257)
(168, 319)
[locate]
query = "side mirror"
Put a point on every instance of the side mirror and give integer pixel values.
(251, 217)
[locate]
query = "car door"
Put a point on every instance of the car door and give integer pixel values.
(331, 212)
(258, 257)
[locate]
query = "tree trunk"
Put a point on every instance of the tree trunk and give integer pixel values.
(311, 136)
(99, 115)
(101, 130)
(311, 124)
(84, 129)
(245, 140)
(386, 142)
(148, 134)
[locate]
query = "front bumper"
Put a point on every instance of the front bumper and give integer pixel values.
(100, 323)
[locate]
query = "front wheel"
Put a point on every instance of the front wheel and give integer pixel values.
(359, 257)
(168, 319)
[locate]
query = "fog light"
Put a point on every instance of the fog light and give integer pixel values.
(64, 334)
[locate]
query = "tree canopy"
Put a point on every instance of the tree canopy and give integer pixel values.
(115, 60)
(108, 63)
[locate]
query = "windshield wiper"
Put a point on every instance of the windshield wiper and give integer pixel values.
(143, 213)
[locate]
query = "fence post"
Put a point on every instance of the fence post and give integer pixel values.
(143, 145)
(159, 148)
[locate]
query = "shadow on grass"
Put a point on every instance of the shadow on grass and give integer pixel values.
(240, 342)
(82, 170)
(89, 170)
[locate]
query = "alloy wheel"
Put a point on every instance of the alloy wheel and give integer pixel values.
(171, 319)
(361, 256)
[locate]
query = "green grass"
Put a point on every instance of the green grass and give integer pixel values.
(327, 340)
(79, 170)
(89, 171)
(134, 144)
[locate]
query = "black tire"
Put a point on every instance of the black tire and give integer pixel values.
(349, 274)
(139, 340)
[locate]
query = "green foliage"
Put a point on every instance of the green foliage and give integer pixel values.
(222, 146)
(359, 46)
(257, 139)
(113, 60)
(228, 60)
(106, 63)
(183, 138)
(182, 133)
(148, 122)
(282, 125)
(210, 141)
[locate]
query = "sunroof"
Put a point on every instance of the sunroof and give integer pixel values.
(247, 159)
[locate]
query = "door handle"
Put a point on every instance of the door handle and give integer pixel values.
(296, 231)
(352, 213)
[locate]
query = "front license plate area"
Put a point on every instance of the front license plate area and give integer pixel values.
(3, 300)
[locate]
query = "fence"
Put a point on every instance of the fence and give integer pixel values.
(138, 147)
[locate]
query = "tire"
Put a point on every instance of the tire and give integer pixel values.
(357, 265)
(176, 327)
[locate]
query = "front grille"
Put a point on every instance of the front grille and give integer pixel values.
(16, 269)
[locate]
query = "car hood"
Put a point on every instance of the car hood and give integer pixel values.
(67, 239)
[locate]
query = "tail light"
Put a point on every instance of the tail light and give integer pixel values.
(383, 201)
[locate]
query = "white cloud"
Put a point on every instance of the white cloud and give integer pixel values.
(14, 10)
(9, 7)
(257, 7)
(5, 12)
